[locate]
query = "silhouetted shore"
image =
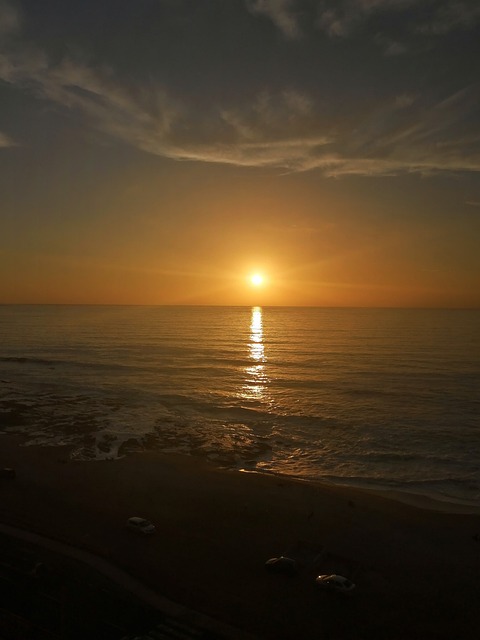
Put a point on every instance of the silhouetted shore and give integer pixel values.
(416, 569)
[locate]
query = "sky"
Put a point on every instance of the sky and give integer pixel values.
(163, 151)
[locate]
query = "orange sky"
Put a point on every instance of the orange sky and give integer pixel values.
(315, 246)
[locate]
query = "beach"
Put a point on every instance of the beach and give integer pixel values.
(416, 569)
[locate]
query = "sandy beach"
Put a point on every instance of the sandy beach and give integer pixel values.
(416, 569)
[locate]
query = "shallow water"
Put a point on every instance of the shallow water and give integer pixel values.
(377, 398)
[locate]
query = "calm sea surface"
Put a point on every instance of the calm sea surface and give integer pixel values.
(374, 398)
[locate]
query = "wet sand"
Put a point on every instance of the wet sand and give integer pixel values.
(416, 569)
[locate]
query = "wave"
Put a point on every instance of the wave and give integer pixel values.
(72, 362)
(26, 360)
(446, 490)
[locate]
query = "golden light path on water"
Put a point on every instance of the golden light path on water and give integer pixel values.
(256, 378)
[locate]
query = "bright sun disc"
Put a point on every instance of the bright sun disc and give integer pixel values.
(256, 279)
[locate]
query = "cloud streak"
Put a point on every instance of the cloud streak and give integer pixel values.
(6, 141)
(340, 18)
(283, 131)
(10, 19)
(343, 18)
(451, 16)
(280, 12)
(288, 128)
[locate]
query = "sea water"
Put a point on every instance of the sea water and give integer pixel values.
(378, 398)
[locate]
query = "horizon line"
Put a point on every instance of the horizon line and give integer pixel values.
(245, 306)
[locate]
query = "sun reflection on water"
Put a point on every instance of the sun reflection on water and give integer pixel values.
(257, 349)
(256, 378)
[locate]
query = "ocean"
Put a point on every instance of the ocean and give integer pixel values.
(374, 398)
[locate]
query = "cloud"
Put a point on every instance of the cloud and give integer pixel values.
(9, 19)
(284, 130)
(398, 27)
(390, 46)
(273, 130)
(342, 18)
(6, 141)
(339, 18)
(450, 16)
(288, 129)
(417, 135)
(141, 117)
(267, 119)
(280, 12)
(289, 154)
(401, 18)
(405, 100)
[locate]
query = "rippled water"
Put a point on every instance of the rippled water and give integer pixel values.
(378, 398)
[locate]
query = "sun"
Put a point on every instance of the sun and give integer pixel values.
(257, 279)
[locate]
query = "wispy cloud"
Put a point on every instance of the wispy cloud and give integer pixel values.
(10, 19)
(282, 130)
(6, 141)
(415, 135)
(271, 131)
(342, 18)
(141, 116)
(450, 16)
(289, 129)
(280, 12)
(271, 114)
(390, 46)
(290, 154)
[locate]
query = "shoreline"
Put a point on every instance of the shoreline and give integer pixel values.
(429, 501)
(419, 500)
(416, 569)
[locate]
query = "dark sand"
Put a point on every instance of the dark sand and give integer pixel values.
(417, 570)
